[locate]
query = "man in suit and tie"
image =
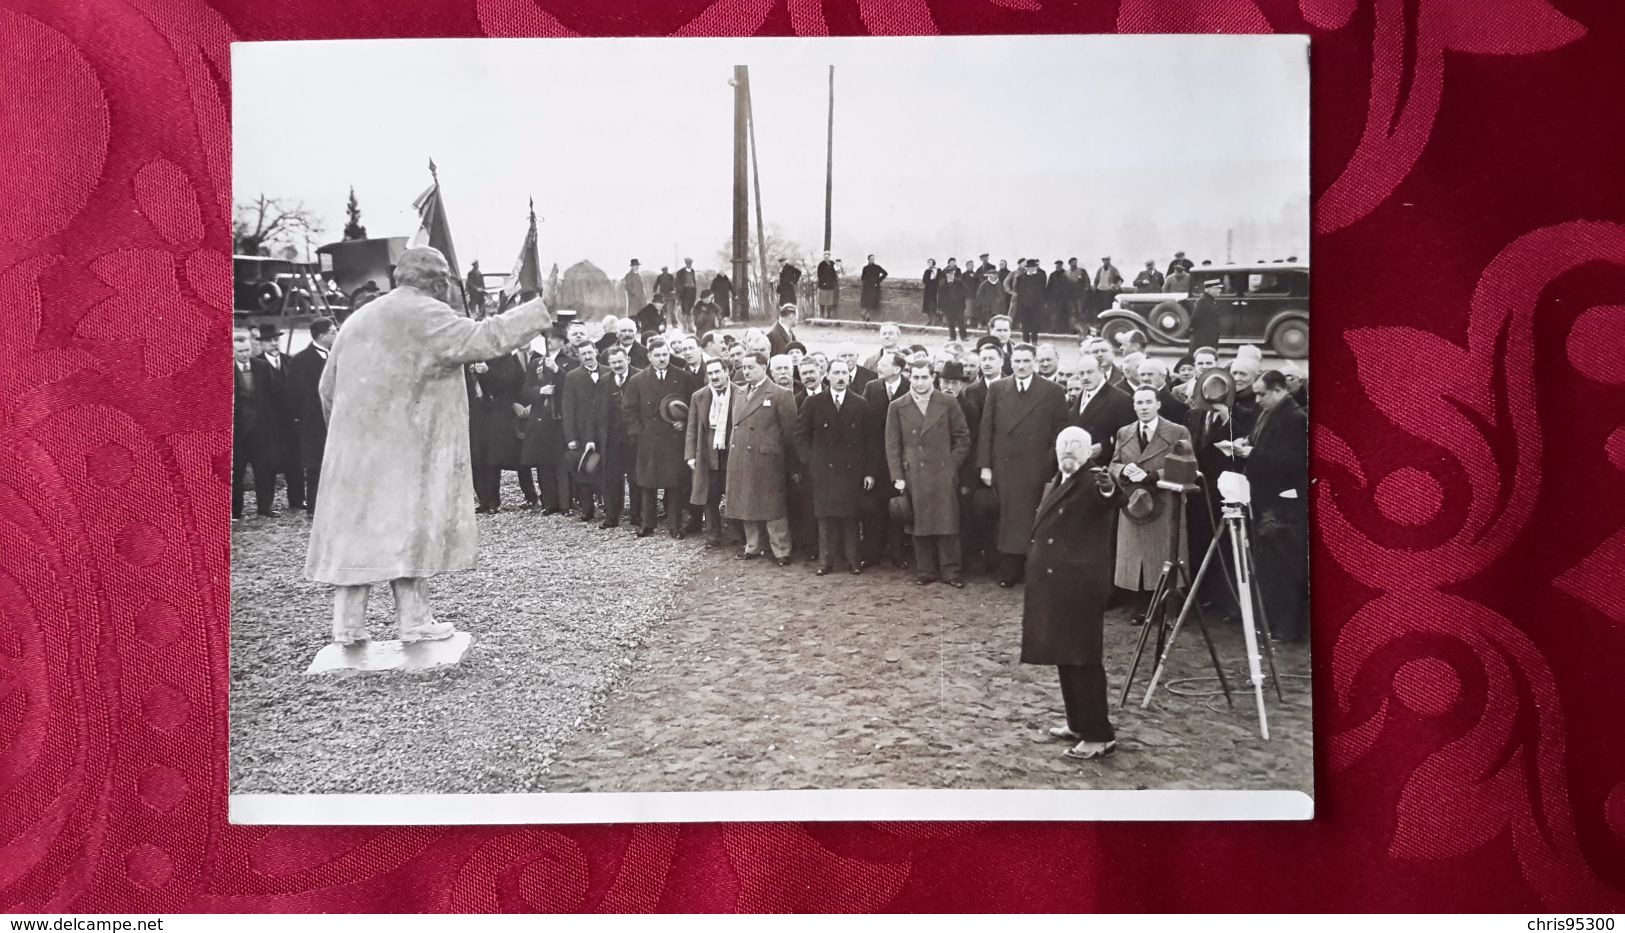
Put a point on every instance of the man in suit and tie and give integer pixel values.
(834, 440)
(626, 335)
(1016, 453)
(305, 398)
(891, 341)
(927, 441)
(999, 329)
(505, 425)
(764, 420)
(1101, 349)
(861, 375)
(659, 444)
(783, 333)
(882, 538)
(615, 449)
(581, 391)
(1276, 454)
(705, 447)
(1102, 409)
(1147, 514)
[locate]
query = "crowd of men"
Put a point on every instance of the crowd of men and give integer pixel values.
(811, 448)
(1067, 299)
(946, 463)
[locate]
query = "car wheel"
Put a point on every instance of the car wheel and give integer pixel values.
(1170, 318)
(268, 295)
(1290, 339)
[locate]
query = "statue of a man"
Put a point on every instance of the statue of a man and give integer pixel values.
(395, 472)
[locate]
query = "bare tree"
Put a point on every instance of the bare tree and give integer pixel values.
(264, 223)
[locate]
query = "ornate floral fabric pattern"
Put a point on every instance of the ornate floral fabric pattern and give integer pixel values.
(1469, 618)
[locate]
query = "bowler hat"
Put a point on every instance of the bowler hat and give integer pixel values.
(901, 509)
(1142, 506)
(673, 410)
(270, 332)
(954, 371)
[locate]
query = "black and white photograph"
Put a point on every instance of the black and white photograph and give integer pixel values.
(771, 429)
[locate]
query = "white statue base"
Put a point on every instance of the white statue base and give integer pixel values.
(413, 657)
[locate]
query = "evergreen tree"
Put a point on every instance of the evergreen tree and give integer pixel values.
(352, 227)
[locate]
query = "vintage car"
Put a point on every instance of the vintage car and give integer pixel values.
(1263, 303)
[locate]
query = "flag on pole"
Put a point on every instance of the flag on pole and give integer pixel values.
(433, 229)
(525, 281)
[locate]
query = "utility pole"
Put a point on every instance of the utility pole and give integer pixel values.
(756, 178)
(829, 162)
(741, 235)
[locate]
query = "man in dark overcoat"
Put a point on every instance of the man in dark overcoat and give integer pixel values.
(688, 291)
(932, 280)
(722, 292)
(789, 283)
(951, 298)
(869, 298)
(502, 384)
(1204, 329)
(305, 397)
(581, 391)
(1102, 410)
(1015, 453)
(1030, 289)
(245, 427)
(926, 442)
(277, 428)
(882, 537)
(615, 449)
(1069, 585)
(835, 443)
(660, 463)
(1278, 471)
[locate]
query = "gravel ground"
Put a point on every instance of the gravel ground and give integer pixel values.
(606, 663)
(772, 678)
(556, 618)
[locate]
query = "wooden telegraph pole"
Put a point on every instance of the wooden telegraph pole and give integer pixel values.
(829, 162)
(741, 235)
(756, 178)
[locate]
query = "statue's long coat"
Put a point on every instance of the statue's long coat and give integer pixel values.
(396, 473)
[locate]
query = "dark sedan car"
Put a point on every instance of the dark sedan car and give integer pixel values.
(1263, 303)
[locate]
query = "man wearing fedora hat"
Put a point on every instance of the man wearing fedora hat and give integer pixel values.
(582, 387)
(657, 430)
(279, 420)
(1142, 537)
(927, 440)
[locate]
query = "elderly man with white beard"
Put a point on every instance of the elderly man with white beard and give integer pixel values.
(396, 372)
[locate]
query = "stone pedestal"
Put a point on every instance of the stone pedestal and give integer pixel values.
(379, 656)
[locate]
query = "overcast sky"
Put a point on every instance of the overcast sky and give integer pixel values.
(1046, 146)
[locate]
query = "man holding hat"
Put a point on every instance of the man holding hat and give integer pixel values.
(927, 440)
(396, 371)
(1147, 515)
(705, 447)
(653, 406)
(582, 386)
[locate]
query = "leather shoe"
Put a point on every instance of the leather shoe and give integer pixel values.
(957, 584)
(271, 514)
(746, 555)
(821, 572)
(857, 571)
(678, 535)
(645, 532)
(784, 561)
(924, 581)
(609, 524)
(1006, 584)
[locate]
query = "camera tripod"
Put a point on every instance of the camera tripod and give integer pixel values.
(1174, 582)
(1241, 553)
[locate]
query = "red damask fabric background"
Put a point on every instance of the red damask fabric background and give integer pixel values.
(1469, 448)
